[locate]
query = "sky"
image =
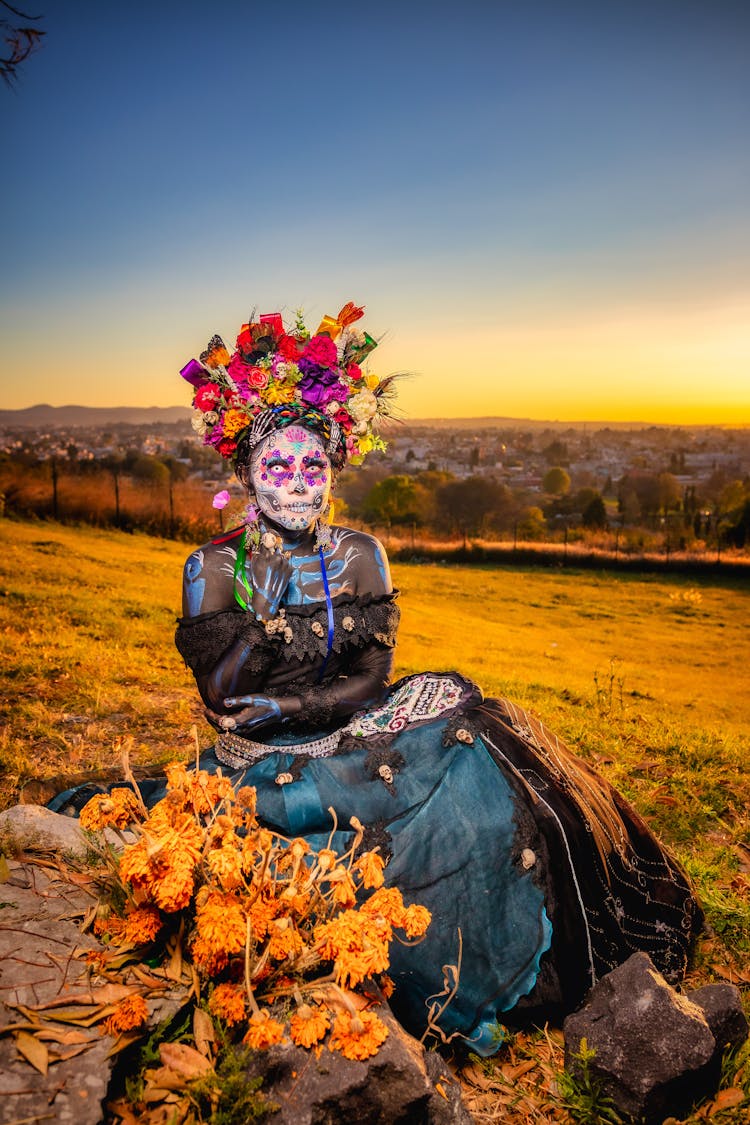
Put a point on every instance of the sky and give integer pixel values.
(544, 206)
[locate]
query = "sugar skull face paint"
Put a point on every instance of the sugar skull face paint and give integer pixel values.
(291, 476)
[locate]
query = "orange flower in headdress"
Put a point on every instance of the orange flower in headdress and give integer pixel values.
(130, 1013)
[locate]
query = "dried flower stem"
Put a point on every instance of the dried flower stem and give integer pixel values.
(248, 982)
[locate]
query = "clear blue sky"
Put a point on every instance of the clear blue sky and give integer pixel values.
(545, 205)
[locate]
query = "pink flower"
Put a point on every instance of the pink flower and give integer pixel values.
(238, 369)
(257, 378)
(221, 499)
(321, 350)
(354, 371)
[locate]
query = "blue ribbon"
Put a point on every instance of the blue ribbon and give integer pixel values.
(329, 608)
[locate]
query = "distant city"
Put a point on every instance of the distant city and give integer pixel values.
(536, 478)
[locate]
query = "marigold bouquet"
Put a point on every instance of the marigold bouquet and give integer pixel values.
(279, 934)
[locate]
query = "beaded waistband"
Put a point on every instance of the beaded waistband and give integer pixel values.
(235, 751)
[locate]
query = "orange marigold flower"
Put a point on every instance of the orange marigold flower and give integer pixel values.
(309, 1025)
(108, 924)
(142, 924)
(130, 1013)
(224, 863)
(118, 808)
(177, 775)
(357, 1036)
(246, 797)
(234, 421)
(262, 913)
(370, 866)
(263, 1030)
(229, 1003)
(220, 922)
(173, 884)
(344, 891)
(388, 902)
(416, 920)
(206, 958)
(387, 987)
(284, 940)
(356, 945)
(326, 859)
(299, 847)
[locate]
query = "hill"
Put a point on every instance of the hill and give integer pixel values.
(42, 415)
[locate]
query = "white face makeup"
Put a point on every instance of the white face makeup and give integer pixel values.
(291, 477)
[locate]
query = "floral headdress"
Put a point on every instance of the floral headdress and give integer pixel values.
(238, 397)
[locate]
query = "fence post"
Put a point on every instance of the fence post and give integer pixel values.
(54, 488)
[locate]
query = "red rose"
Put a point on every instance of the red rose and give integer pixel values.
(321, 351)
(288, 348)
(344, 419)
(354, 371)
(207, 396)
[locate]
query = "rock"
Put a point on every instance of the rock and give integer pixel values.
(655, 1051)
(34, 828)
(37, 939)
(397, 1085)
(721, 1004)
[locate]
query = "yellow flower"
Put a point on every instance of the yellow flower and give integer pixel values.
(118, 808)
(371, 382)
(276, 393)
(357, 1036)
(416, 920)
(142, 924)
(263, 1030)
(370, 866)
(130, 1013)
(308, 1025)
(228, 1002)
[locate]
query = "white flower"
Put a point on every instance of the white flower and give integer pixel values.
(211, 417)
(362, 406)
(198, 422)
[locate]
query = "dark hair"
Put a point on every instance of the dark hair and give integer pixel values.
(275, 418)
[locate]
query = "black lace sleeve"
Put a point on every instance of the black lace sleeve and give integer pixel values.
(202, 640)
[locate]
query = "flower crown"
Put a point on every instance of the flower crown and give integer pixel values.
(272, 367)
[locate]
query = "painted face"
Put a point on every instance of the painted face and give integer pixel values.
(291, 477)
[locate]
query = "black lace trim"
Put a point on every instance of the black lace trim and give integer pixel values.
(376, 835)
(358, 619)
(202, 640)
(356, 622)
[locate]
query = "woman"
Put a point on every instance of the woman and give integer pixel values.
(539, 877)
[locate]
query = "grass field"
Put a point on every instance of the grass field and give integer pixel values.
(647, 676)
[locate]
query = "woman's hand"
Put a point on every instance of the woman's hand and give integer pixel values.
(255, 711)
(270, 572)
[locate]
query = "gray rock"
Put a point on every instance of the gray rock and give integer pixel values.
(35, 828)
(655, 1052)
(721, 1004)
(37, 938)
(397, 1086)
